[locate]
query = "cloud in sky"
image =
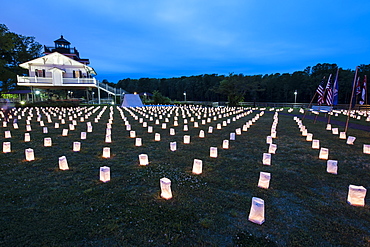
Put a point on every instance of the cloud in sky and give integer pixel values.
(166, 38)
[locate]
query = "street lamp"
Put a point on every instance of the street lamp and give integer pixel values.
(295, 96)
(184, 96)
(93, 97)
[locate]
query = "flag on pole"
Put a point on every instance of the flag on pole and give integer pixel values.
(320, 91)
(335, 89)
(364, 90)
(358, 86)
(356, 91)
(329, 92)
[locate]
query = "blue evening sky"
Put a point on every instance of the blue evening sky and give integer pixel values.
(173, 38)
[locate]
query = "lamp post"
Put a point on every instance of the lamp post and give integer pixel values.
(93, 97)
(184, 96)
(295, 96)
(37, 93)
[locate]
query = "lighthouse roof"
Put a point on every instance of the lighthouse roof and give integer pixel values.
(62, 40)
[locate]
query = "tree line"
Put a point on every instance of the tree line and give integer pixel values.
(249, 88)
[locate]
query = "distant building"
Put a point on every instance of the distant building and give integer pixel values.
(62, 68)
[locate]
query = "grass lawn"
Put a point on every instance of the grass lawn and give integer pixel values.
(42, 205)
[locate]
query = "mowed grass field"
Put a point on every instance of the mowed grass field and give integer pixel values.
(42, 205)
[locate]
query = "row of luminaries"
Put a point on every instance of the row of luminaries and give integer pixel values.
(356, 194)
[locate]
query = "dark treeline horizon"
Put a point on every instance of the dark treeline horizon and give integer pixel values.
(260, 88)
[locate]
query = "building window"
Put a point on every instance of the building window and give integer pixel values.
(40, 72)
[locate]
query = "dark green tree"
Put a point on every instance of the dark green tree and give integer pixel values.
(14, 50)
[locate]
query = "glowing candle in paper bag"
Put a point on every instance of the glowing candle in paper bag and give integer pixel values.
(309, 137)
(342, 135)
(196, 125)
(8, 134)
(7, 147)
(63, 164)
(335, 131)
(89, 128)
(304, 132)
(185, 128)
(143, 159)
(173, 146)
(56, 125)
(108, 138)
(266, 159)
(76, 146)
(238, 131)
(27, 137)
(106, 152)
(269, 139)
(328, 127)
(150, 129)
(132, 134)
(166, 192)
(257, 213)
(15, 126)
(272, 148)
(29, 154)
(157, 137)
(213, 152)
(104, 174)
(138, 142)
(47, 142)
(315, 144)
(218, 126)
(232, 136)
(225, 144)
(210, 129)
(197, 166)
(172, 131)
(264, 180)
(83, 135)
(28, 127)
(5, 124)
(201, 133)
(366, 149)
(273, 134)
(332, 166)
(356, 195)
(324, 153)
(65, 132)
(351, 140)
(164, 125)
(71, 127)
(128, 127)
(186, 139)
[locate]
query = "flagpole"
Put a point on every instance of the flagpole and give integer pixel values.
(309, 106)
(333, 89)
(350, 103)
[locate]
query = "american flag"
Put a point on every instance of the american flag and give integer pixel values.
(329, 90)
(364, 89)
(320, 91)
(358, 86)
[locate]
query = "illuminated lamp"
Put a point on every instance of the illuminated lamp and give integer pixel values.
(210, 129)
(272, 148)
(83, 135)
(224, 123)
(264, 180)
(150, 129)
(47, 142)
(157, 121)
(232, 136)
(315, 144)
(196, 125)
(342, 135)
(185, 127)
(335, 131)
(27, 137)
(28, 127)
(164, 126)
(225, 144)
(143, 159)
(218, 126)
(76, 146)
(203, 121)
(257, 212)
(304, 132)
(128, 127)
(351, 140)
(42, 123)
(266, 159)
(89, 128)
(5, 124)
(104, 174)
(132, 134)
(324, 153)
(172, 131)
(62, 121)
(238, 131)
(186, 139)
(328, 127)
(366, 149)
(309, 137)
(7, 147)
(175, 123)
(65, 132)
(8, 134)
(213, 152)
(138, 142)
(356, 195)
(173, 146)
(332, 166)
(56, 126)
(29, 154)
(201, 134)
(15, 126)
(166, 192)
(157, 137)
(269, 139)
(45, 130)
(63, 164)
(108, 138)
(197, 166)
(106, 152)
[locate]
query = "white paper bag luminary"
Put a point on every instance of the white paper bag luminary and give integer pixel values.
(27, 137)
(173, 146)
(29, 154)
(47, 142)
(186, 139)
(213, 152)
(266, 159)
(166, 192)
(197, 166)
(335, 131)
(45, 130)
(232, 136)
(210, 130)
(63, 164)
(324, 153)
(143, 159)
(225, 144)
(315, 144)
(157, 137)
(272, 148)
(7, 147)
(257, 212)
(351, 140)
(309, 137)
(132, 134)
(108, 138)
(83, 135)
(104, 174)
(8, 134)
(106, 152)
(65, 132)
(342, 135)
(356, 195)
(269, 139)
(332, 166)
(150, 129)
(366, 149)
(264, 180)
(201, 134)
(76, 146)
(172, 131)
(328, 127)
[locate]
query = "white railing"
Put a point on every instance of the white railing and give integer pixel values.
(49, 80)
